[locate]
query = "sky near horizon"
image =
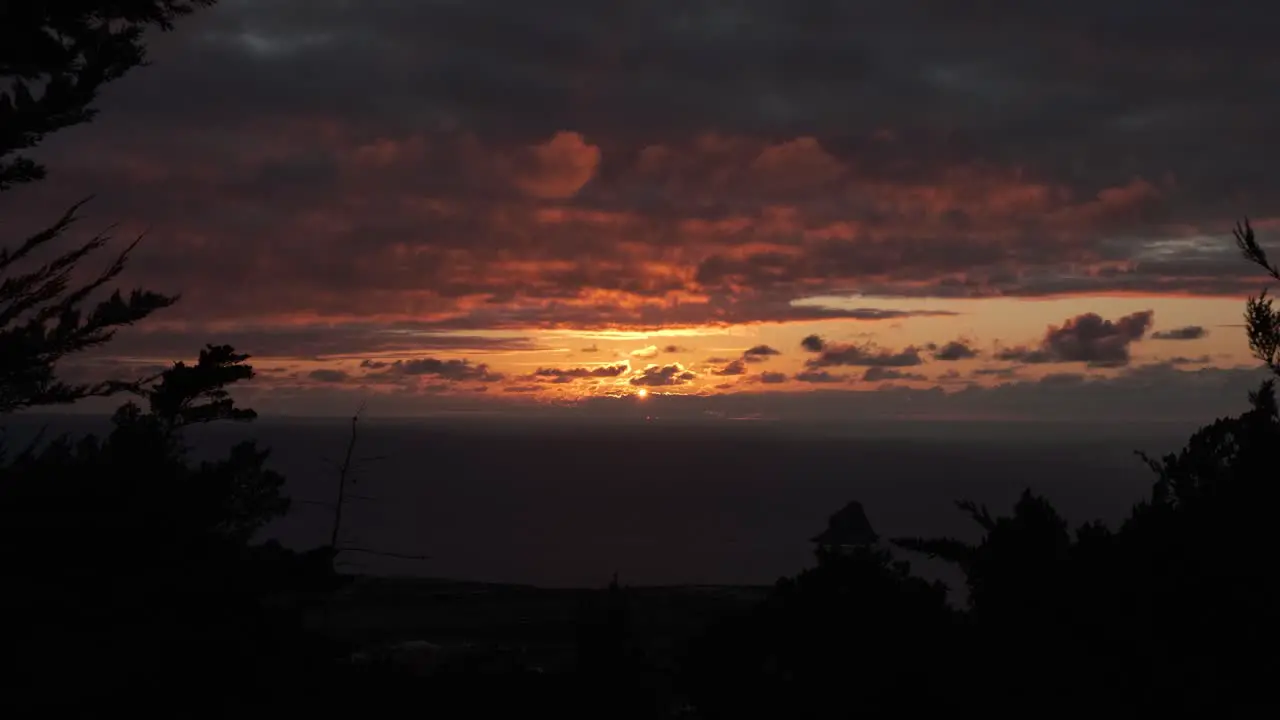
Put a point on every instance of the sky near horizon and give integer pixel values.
(996, 209)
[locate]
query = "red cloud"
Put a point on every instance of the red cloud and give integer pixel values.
(458, 232)
(558, 168)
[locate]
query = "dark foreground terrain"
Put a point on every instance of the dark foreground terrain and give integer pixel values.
(144, 578)
(422, 624)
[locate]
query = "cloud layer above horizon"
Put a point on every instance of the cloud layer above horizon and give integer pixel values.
(437, 197)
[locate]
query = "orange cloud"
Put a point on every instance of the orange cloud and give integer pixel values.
(558, 168)
(795, 166)
(467, 232)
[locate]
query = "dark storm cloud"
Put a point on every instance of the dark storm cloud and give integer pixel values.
(659, 376)
(1190, 332)
(580, 373)
(733, 367)
(865, 356)
(681, 67)
(1088, 339)
(772, 378)
(754, 354)
(449, 370)
(813, 343)
(954, 350)
(502, 165)
(759, 353)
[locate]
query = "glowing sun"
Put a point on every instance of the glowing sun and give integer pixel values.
(642, 393)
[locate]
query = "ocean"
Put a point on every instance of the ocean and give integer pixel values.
(570, 504)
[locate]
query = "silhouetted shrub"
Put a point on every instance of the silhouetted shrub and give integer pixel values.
(855, 633)
(129, 565)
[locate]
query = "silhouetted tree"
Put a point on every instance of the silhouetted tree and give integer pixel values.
(1262, 321)
(235, 496)
(44, 319)
(1198, 550)
(123, 550)
(1012, 571)
(1023, 579)
(131, 572)
(847, 528)
(56, 56)
(856, 633)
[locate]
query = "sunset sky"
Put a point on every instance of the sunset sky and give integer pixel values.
(817, 209)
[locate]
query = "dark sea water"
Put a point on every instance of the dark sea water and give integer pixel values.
(570, 504)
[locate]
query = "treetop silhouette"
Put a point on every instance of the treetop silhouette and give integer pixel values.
(57, 55)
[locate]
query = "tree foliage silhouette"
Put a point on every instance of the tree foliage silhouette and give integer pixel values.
(142, 467)
(56, 57)
(1262, 321)
(127, 543)
(856, 633)
(129, 564)
(43, 320)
